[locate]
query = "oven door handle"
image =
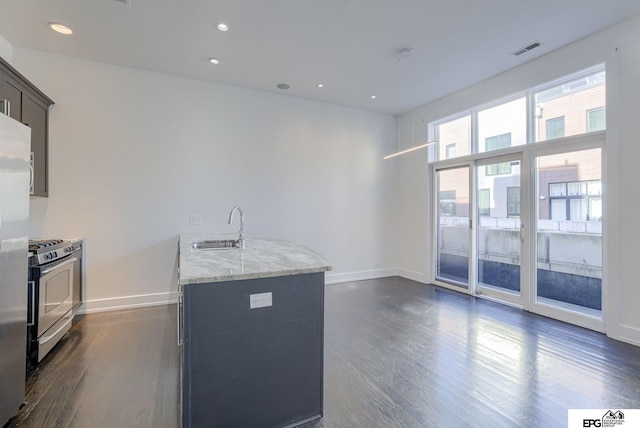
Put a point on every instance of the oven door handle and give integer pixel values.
(66, 262)
(45, 339)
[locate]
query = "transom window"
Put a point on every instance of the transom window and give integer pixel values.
(570, 106)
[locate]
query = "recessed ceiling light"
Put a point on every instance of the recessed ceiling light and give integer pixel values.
(373, 97)
(284, 86)
(320, 85)
(62, 29)
(223, 27)
(214, 61)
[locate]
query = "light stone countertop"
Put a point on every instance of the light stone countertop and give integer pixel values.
(261, 258)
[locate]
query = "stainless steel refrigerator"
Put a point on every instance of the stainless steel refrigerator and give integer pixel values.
(15, 177)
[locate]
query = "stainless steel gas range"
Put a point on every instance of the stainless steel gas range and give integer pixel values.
(51, 295)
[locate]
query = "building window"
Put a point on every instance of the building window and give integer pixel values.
(596, 119)
(451, 151)
(555, 128)
(576, 201)
(447, 203)
(484, 202)
(513, 201)
(498, 142)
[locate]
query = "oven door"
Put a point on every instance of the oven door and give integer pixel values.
(55, 292)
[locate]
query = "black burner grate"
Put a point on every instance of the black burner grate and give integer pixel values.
(36, 245)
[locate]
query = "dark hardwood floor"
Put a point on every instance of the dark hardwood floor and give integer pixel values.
(113, 369)
(397, 354)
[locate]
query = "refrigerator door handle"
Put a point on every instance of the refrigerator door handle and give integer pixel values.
(32, 296)
(180, 315)
(31, 176)
(0, 228)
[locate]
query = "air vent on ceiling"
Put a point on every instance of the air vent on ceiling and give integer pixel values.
(527, 48)
(127, 2)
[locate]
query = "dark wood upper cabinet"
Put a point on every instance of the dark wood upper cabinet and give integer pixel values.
(13, 94)
(29, 105)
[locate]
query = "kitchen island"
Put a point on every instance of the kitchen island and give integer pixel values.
(252, 333)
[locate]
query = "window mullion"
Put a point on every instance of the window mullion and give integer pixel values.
(531, 117)
(474, 132)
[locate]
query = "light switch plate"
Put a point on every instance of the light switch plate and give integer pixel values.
(260, 300)
(195, 220)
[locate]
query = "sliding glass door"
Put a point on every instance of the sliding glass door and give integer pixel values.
(485, 245)
(499, 232)
(569, 232)
(452, 219)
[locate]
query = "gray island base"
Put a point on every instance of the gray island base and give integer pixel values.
(252, 332)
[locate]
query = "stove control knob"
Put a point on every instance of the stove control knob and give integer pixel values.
(55, 254)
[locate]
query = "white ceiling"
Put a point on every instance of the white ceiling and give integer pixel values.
(349, 45)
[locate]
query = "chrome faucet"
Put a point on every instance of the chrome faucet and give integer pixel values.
(241, 238)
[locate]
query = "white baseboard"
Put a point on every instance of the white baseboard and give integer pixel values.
(412, 275)
(336, 278)
(128, 302)
(142, 300)
(629, 334)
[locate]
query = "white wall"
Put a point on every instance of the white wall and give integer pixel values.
(6, 50)
(133, 154)
(617, 46)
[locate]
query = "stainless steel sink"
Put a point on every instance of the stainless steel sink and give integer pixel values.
(215, 244)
